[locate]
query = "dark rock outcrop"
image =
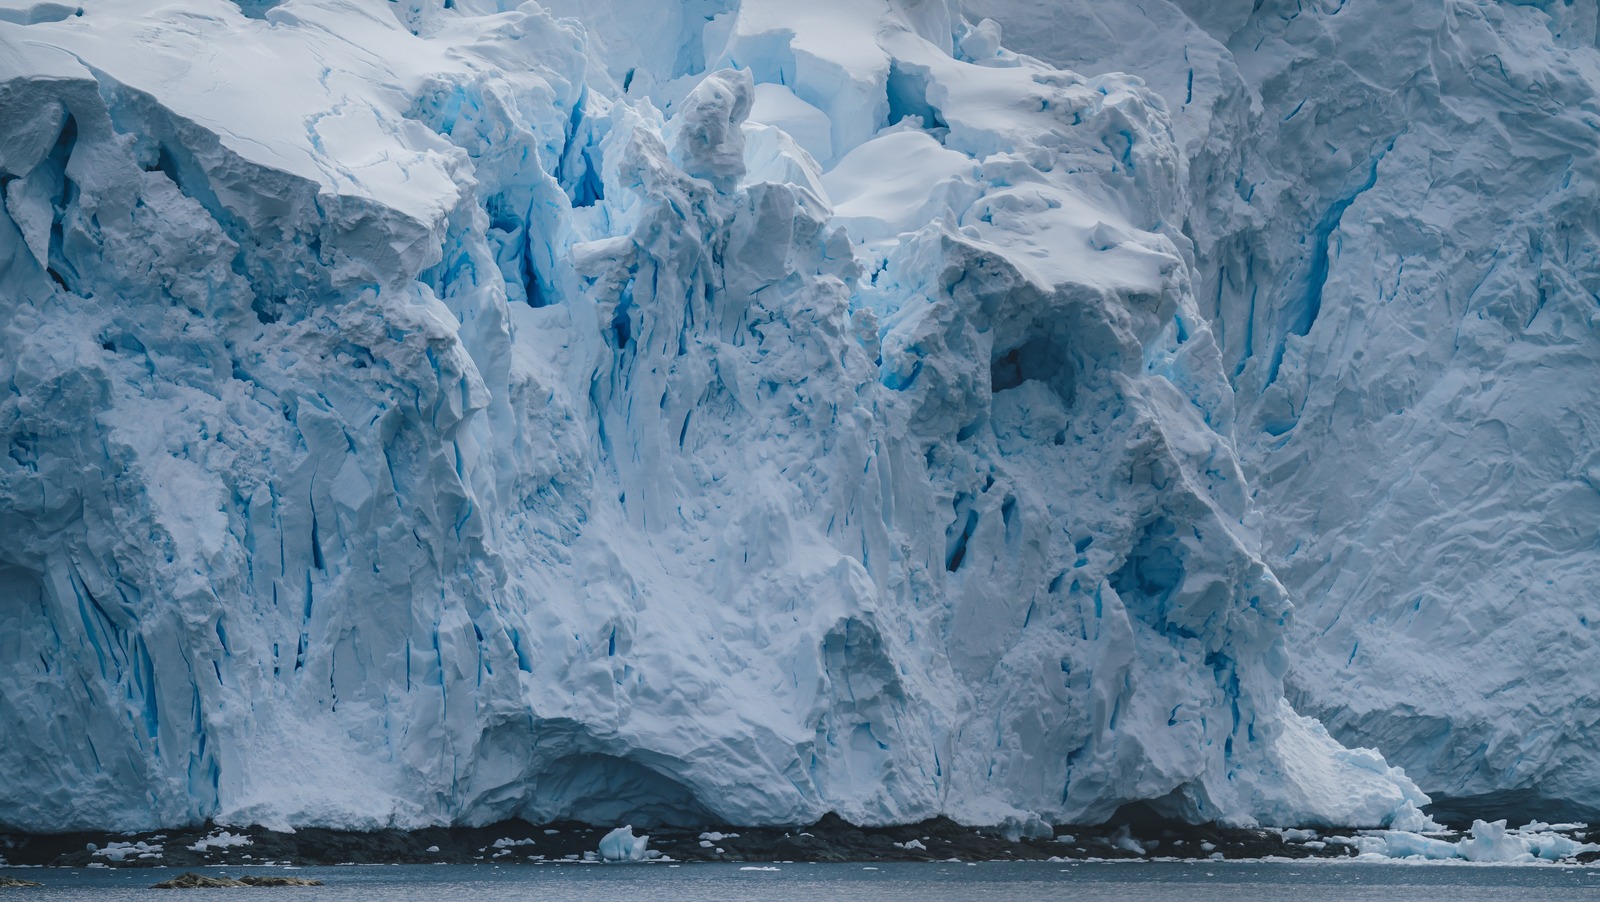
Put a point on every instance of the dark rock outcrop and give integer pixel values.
(192, 880)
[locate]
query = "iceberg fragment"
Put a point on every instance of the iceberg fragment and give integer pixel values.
(621, 845)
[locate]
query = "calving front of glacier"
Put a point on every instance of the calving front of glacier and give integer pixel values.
(712, 411)
(1395, 238)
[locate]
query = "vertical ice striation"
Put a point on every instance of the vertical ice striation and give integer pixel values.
(434, 412)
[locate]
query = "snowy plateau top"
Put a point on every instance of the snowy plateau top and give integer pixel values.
(432, 412)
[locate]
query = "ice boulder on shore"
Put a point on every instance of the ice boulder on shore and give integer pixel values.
(621, 845)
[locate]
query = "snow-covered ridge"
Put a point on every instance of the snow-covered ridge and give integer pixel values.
(425, 415)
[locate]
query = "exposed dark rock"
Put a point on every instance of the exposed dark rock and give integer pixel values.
(192, 880)
(1134, 832)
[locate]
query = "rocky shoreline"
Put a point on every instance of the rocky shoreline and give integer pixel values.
(831, 839)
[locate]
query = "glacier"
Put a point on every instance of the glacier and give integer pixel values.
(1395, 247)
(732, 411)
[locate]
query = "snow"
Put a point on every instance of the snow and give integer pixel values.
(426, 415)
(778, 106)
(898, 182)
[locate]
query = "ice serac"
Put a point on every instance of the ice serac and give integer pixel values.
(1395, 246)
(434, 412)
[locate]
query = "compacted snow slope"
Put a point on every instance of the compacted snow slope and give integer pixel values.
(1394, 217)
(427, 412)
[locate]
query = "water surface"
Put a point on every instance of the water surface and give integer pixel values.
(916, 882)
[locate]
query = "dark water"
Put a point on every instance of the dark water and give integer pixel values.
(1204, 882)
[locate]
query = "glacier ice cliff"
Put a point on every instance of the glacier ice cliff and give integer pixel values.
(429, 411)
(1396, 249)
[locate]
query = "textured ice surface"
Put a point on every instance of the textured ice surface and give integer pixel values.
(1393, 212)
(422, 414)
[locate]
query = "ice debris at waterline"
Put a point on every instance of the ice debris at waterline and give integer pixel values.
(122, 851)
(518, 843)
(1488, 842)
(624, 411)
(220, 839)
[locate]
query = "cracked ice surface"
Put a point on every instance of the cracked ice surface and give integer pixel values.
(424, 415)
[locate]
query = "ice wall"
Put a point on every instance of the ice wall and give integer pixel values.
(428, 413)
(1393, 215)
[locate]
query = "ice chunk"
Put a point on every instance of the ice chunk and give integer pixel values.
(706, 132)
(1490, 842)
(222, 839)
(1411, 818)
(621, 845)
(122, 851)
(982, 41)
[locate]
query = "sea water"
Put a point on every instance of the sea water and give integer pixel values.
(940, 882)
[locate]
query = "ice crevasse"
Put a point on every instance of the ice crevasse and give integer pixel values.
(636, 412)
